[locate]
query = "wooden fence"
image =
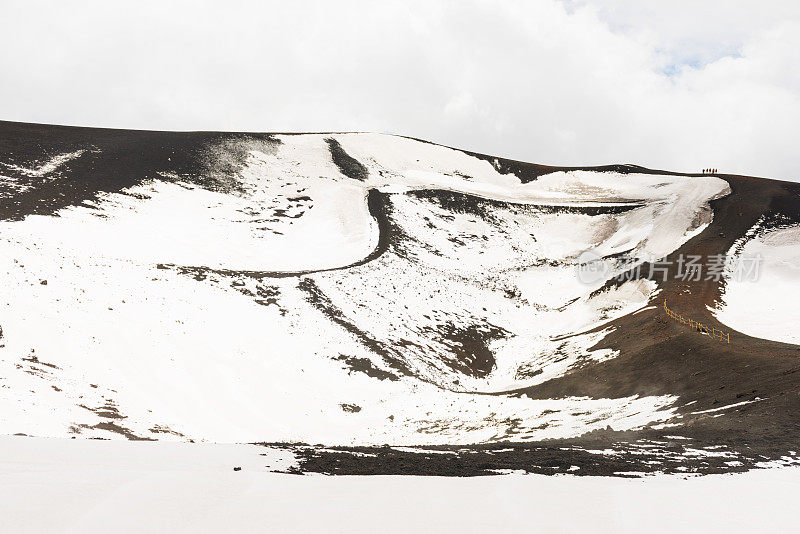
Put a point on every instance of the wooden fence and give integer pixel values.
(725, 337)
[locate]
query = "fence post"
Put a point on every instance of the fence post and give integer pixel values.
(701, 328)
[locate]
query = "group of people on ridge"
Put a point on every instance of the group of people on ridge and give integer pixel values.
(709, 171)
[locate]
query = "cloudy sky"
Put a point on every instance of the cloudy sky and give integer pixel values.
(676, 84)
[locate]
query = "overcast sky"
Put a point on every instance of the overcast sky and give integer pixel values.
(671, 84)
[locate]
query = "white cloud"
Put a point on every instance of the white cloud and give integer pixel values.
(679, 85)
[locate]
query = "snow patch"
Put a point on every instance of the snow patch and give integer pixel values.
(766, 307)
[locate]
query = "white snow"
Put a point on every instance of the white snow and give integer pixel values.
(728, 407)
(46, 167)
(55, 485)
(219, 356)
(764, 307)
(263, 229)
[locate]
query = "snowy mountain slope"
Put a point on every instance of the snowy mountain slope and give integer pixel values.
(764, 314)
(345, 289)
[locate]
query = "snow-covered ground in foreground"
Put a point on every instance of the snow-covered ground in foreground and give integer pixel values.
(87, 486)
(767, 306)
(138, 314)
